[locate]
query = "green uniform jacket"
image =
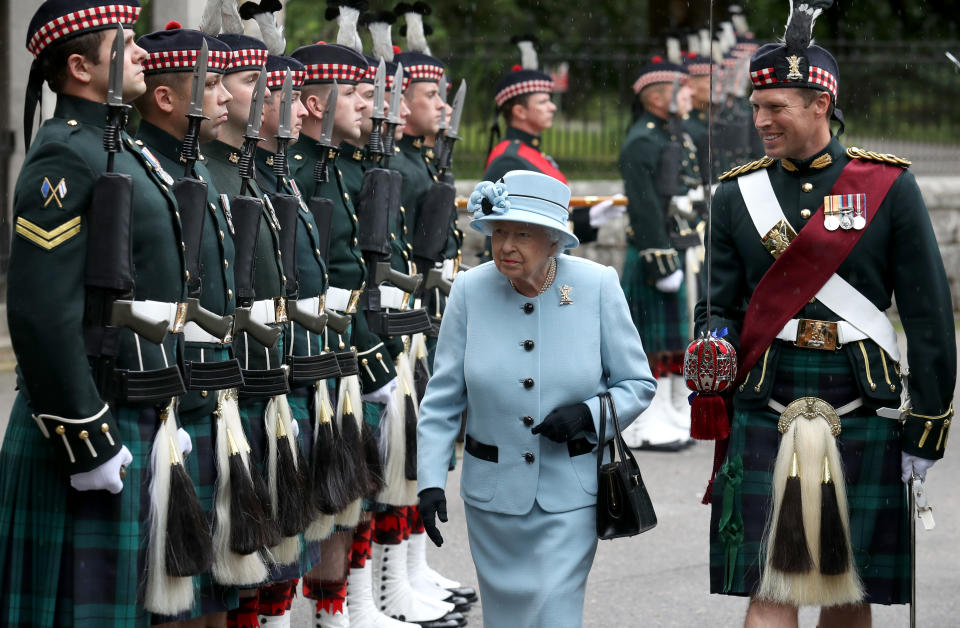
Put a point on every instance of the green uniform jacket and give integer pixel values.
(45, 289)
(639, 165)
(345, 264)
(268, 281)
(896, 255)
(216, 255)
(311, 269)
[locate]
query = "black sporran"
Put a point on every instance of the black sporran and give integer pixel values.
(623, 504)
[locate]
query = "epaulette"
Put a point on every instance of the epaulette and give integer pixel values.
(764, 162)
(886, 158)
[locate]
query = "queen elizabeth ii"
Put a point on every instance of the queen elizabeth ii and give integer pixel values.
(528, 343)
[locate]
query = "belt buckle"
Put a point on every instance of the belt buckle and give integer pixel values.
(354, 301)
(180, 319)
(280, 309)
(813, 334)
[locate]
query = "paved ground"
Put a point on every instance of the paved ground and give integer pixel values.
(660, 578)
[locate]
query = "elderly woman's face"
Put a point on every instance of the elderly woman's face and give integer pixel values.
(521, 251)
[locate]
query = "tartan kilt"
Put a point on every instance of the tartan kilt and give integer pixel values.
(72, 558)
(869, 448)
(251, 416)
(201, 466)
(661, 318)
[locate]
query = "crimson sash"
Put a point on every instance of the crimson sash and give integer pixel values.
(810, 260)
(531, 155)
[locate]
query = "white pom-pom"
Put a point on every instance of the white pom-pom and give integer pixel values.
(673, 50)
(347, 35)
(528, 55)
(380, 32)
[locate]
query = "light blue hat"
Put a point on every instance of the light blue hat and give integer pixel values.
(523, 196)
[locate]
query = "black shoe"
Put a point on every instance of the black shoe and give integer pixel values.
(460, 604)
(671, 447)
(468, 593)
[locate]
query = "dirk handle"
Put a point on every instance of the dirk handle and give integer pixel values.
(213, 324)
(242, 322)
(122, 315)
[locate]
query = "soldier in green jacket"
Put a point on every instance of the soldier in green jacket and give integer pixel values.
(76, 453)
(661, 175)
(810, 245)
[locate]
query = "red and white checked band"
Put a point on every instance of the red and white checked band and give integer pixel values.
(524, 87)
(817, 76)
(252, 58)
(79, 21)
(217, 61)
(423, 72)
(275, 79)
(699, 69)
(660, 76)
(330, 71)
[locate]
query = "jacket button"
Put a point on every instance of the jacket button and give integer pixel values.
(529, 457)
(528, 383)
(528, 345)
(528, 421)
(528, 308)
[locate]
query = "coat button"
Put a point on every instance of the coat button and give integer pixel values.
(528, 421)
(805, 214)
(528, 308)
(528, 345)
(807, 187)
(528, 457)
(528, 383)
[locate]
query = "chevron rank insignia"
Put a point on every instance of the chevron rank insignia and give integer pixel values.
(45, 239)
(53, 193)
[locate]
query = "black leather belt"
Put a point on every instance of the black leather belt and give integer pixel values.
(490, 453)
(141, 386)
(264, 383)
(212, 375)
(406, 323)
(348, 363)
(308, 369)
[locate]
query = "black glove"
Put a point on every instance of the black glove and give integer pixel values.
(433, 503)
(565, 421)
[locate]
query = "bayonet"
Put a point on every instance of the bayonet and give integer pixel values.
(375, 145)
(283, 130)
(252, 134)
(326, 134)
(191, 143)
(952, 59)
(453, 128)
(393, 118)
(438, 144)
(116, 109)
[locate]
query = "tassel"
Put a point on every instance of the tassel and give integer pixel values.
(288, 490)
(790, 553)
(351, 449)
(834, 551)
(410, 433)
(189, 546)
(371, 452)
(270, 530)
(328, 482)
(708, 417)
(165, 593)
(421, 370)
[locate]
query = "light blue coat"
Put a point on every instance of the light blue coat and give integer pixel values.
(580, 350)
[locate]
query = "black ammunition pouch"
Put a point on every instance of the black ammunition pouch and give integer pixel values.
(348, 363)
(264, 383)
(212, 375)
(433, 222)
(308, 369)
(145, 386)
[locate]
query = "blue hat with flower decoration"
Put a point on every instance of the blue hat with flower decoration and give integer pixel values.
(523, 196)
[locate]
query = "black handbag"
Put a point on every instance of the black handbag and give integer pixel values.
(623, 504)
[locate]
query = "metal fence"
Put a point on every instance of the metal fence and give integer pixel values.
(899, 94)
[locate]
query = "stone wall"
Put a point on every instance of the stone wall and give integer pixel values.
(941, 194)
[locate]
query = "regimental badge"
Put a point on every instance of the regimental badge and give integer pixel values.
(234, 158)
(779, 238)
(225, 204)
(51, 192)
(794, 71)
(155, 165)
(269, 160)
(847, 211)
(565, 292)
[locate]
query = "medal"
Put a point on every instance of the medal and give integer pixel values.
(846, 219)
(847, 211)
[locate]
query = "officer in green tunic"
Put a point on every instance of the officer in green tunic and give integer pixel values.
(77, 447)
(810, 245)
(661, 176)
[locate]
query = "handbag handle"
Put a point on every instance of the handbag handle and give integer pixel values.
(617, 445)
(603, 431)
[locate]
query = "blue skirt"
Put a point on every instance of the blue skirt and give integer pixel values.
(532, 568)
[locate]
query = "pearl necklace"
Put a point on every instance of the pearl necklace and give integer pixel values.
(547, 282)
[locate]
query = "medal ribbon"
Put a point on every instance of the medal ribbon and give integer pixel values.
(808, 262)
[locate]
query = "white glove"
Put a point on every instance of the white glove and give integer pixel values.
(670, 283)
(184, 442)
(682, 205)
(605, 210)
(294, 428)
(382, 395)
(910, 465)
(696, 194)
(106, 477)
